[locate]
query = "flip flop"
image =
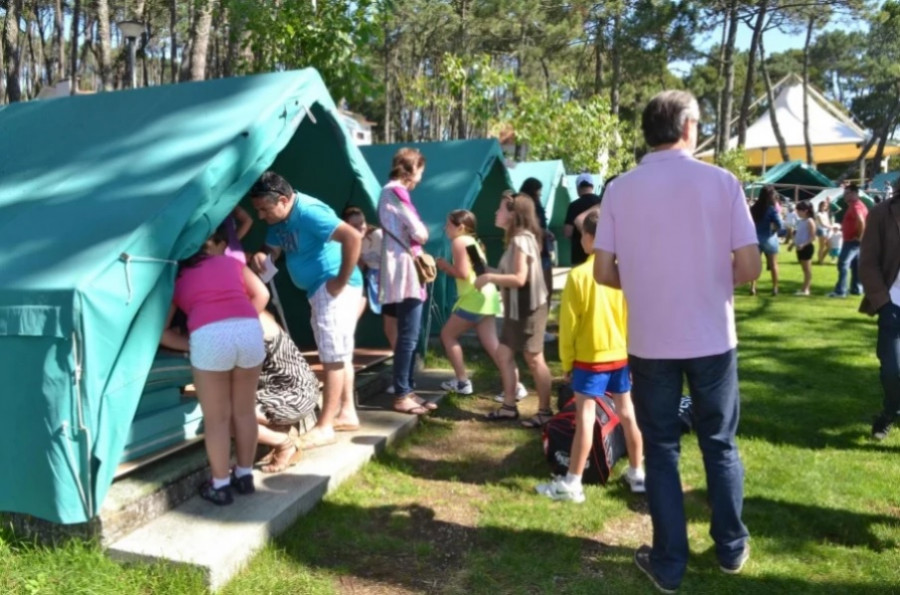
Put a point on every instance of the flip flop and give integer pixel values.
(412, 410)
(425, 403)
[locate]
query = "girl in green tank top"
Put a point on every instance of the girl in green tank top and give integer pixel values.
(473, 308)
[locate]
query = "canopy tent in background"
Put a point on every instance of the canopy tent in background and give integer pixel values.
(461, 174)
(555, 195)
(834, 136)
(114, 188)
(882, 181)
(794, 180)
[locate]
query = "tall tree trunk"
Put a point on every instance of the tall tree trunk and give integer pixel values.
(13, 50)
(76, 18)
(200, 40)
(102, 8)
(388, 88)
(744, 115)
(46, 57)
(770, 97)
(173, 24)
(885, 131)
(34, 69)
(720, 76)
(809, 31)
(599, 38)
(2, 62)
(616, 64)
(60, 41)
(728, 92)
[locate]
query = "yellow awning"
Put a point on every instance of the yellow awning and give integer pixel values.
(842, 153)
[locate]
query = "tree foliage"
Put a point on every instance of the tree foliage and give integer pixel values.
(564, 79)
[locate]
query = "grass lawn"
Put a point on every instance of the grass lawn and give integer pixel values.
(452, 509)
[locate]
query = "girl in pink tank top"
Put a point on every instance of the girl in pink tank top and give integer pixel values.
(222, 300)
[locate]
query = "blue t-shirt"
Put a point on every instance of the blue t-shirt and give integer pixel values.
(305, 237)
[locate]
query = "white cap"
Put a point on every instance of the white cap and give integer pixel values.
(584, 180)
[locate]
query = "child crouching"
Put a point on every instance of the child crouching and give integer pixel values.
(594, 356)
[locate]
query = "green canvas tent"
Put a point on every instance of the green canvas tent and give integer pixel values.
(461, 174)
(789, 179)
(99, 195)
(555, 195)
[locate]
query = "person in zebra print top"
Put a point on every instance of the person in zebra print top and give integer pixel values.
(288, 393)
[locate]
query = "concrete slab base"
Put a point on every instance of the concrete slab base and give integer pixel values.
(220, 540)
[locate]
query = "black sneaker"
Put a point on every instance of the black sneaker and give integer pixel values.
(737, 565)
(642, 560)
(881, 427)
(219, 497)
(243, 485)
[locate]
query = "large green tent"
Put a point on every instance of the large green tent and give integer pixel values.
(99, 194)
(555, 195)
(462, 174)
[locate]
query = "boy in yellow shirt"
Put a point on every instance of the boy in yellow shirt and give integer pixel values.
(592, 349)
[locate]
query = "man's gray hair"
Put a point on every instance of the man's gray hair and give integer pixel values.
(664, 117)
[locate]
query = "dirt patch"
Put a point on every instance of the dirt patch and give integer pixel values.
(628, 531)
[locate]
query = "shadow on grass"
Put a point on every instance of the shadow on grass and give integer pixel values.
(789, 525)
(812, 384)
(409, 549)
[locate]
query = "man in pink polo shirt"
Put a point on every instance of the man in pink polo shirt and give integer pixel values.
(676, 235)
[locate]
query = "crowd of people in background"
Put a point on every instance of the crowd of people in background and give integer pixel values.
(644, 311)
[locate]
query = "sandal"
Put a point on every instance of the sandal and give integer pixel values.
(280, 459)
(424, 402)
(413, 409)
(539, 420)
(498, 415)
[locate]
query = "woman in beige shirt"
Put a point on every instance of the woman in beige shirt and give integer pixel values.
(526, 304)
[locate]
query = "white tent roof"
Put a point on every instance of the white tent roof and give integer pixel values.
(827, 125)
(834, 136)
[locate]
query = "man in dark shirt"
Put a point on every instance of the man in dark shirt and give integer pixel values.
(585, 201)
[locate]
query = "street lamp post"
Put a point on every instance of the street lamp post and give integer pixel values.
(131, 31)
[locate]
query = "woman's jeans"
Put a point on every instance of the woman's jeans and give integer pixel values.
(409, 325)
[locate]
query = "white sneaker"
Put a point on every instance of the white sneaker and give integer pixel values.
(521, 393)
(460, 387)
(560, 491)
(635, 480)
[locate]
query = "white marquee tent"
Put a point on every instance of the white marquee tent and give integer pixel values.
(834, 136)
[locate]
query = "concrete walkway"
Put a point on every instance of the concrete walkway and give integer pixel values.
(221, 540)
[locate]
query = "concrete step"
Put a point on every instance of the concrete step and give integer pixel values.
(220, 540)
(157, 488)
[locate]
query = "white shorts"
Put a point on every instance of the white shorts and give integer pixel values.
(334, 323)
(228, 344)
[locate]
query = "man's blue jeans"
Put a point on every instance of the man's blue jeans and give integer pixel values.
(656, 392)
(889, 356)
(848, 260)
(409, 324)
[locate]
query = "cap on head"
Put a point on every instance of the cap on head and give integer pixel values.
(584, 180)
